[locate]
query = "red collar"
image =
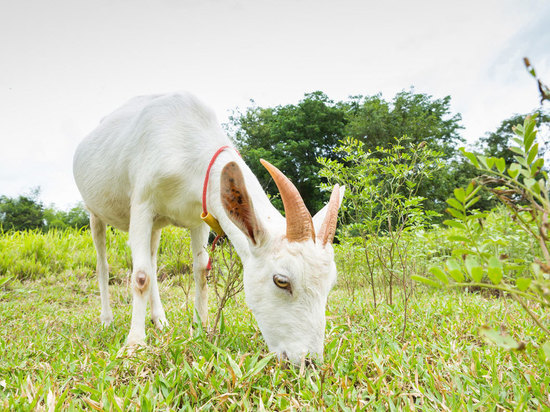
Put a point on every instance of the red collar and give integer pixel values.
(205, 216)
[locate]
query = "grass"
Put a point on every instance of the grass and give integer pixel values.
(55, 355)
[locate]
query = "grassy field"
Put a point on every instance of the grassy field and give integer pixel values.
(54, 355)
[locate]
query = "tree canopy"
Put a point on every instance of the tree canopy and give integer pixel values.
(26, 212)
(294, 137)
(418, 116)
(498, 142)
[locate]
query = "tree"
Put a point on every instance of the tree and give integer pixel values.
(25, 212)
(377, 122)
(77, 217)
(292, 137)
(498, 143)
(383, 206)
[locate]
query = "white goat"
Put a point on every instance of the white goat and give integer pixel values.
(143, 168)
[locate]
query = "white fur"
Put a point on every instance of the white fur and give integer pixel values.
(143, 168)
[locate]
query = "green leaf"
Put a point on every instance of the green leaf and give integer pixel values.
(259, 366)
(483, 160)
(529, 132)
(513, 170)
(460, 194)
(61, 399)
(425, 280)
(471, 157)
(542, 185)
(521, 161)
(536, 188)
(438, 273)
(537, 166)
(494, 271)
(458, 238)
(455, 213)
(4, 280)
(455, 203)
(472, 202)
(529, 182)
(503, 340)
(501, 164)
(471, 192)
(222, 323)
(477, 274)
(523, 283)
(473, 268)
(234, 366)
(455, 270)
(516, 150)
(455, 223)
(533, 153)
(519, 130)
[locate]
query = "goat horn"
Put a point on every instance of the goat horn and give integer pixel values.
(328, 228)
(299, 226)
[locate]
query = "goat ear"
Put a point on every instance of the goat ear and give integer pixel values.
(238, 205)
(320, 216)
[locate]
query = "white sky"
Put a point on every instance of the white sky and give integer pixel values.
(64, 64)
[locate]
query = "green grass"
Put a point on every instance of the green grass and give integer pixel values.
(54, 353)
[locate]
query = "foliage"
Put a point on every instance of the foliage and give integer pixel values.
(22, 213)
(497, 144)
(77, 217)
(291, 137)
(522, 187)
(375, 121)
(382, 204)
(33, 254)
(26, 212)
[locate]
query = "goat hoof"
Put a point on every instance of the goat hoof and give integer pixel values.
(161, 322)
(135, 340)
(130, 348)
(106, 320)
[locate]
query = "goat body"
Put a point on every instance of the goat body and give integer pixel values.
(143, 168)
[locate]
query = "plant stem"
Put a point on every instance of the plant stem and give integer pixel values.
(533, 316)
(503, 288)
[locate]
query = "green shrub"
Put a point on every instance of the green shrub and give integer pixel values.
(32, 254)
(523, 270)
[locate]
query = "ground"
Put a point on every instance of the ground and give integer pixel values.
(54, 353)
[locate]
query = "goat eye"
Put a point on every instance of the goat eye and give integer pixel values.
(281, 281)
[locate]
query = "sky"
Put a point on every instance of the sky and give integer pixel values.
(65, 64)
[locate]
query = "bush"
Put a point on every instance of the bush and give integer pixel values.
(31, 254)
(523, 270)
